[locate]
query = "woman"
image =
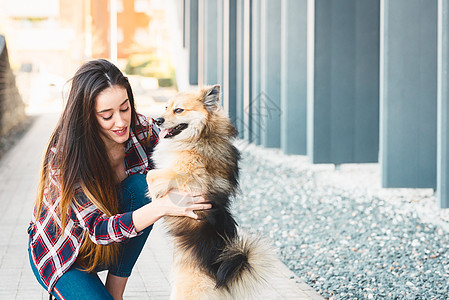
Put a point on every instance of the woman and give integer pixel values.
(91, 211)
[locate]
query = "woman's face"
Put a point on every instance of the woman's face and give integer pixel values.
(113, 112)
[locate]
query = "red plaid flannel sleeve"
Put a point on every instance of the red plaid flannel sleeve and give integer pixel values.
(102, 230)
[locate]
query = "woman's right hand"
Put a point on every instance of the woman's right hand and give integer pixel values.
(182, 204)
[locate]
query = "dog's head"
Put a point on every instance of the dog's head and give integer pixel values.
(187, 112)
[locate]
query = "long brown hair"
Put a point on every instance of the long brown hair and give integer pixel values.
(80, 154)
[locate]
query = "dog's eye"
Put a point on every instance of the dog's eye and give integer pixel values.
(178, 110)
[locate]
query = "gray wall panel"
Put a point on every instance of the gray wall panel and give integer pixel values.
(443, 104)
(211, 42)
(247, 73)
(232, 66)
(270, 70)
(193, 41)
(294, 77)
(367, 35)
(344, 105)
(408, 93)
(240, 64)
(255, 70)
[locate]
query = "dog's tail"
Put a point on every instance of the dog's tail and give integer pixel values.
(245, 264)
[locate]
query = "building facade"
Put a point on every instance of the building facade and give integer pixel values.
(349, 81)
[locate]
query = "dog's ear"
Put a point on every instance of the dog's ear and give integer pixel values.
(211, 97)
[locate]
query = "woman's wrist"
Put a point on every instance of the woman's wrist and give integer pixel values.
(147, 215)
(172, 204)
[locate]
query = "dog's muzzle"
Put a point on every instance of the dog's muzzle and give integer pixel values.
(160, 121)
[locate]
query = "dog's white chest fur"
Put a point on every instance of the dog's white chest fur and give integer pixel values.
(165, 154)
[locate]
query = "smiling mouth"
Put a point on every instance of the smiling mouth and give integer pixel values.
(171, 132)
(120, 132)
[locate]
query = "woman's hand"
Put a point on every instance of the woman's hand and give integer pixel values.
(174, 203)
(182, 204)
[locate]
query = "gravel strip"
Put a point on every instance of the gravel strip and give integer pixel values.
(340, 232)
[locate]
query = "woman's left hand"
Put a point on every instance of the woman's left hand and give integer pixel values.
(182, 203)
(174, 203)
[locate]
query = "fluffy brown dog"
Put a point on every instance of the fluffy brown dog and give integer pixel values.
(195, 152)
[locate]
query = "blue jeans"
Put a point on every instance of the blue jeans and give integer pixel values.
(78, 284)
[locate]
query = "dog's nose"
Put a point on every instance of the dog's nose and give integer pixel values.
(159, 121)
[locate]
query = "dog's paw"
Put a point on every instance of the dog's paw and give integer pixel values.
(156, 187)
(151, 183)
(153, 193)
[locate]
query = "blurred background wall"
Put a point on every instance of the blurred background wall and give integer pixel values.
(344, 81)
(48, 40)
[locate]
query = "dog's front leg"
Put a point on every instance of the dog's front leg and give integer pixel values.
(160, 182)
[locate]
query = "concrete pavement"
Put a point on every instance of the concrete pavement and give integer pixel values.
(19, 171)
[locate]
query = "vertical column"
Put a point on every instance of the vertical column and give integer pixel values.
(443, 104)
(240, 65)
(247, 72)
(294, 77)
(225, 53)
(366, 118)
(255, 70)
(408, 93)
(201, 41)
(211, 43)
(270, 73)
(192, 19)
(229, 57)
(184, 23)
(343, 97)
(220, 41)
(232, 66)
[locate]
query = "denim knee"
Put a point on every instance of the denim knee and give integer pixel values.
(132, 196)
(133, 193)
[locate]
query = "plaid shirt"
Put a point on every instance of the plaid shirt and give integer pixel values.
(54, 251)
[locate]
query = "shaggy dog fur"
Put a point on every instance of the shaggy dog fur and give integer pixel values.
(195, 152)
